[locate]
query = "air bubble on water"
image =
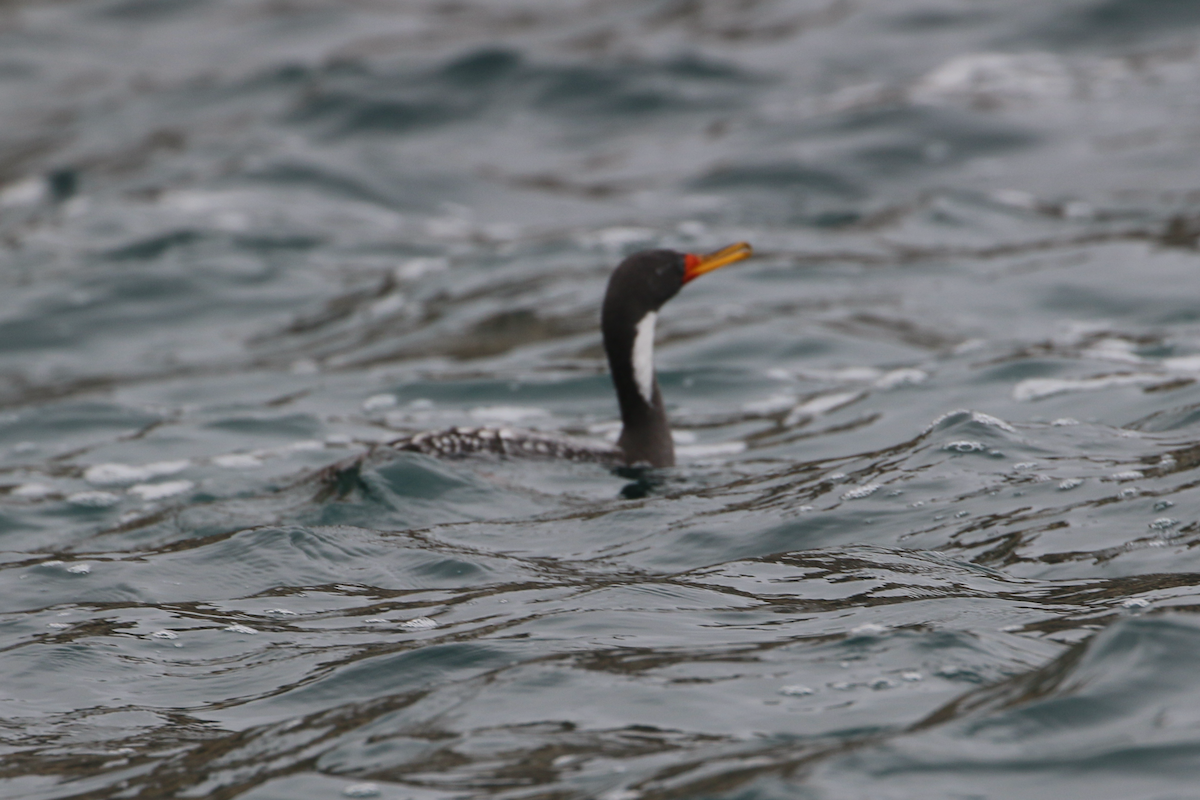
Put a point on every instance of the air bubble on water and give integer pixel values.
(164, 635)
(419, 623)
(842, 686)
(1132, 491)
(1070, 483)
(239, 628)
(280, 612)
(374, 620)
(868, 629)
(965, 446)
(883, 683)
(1064, 422)
(1024, 465)
(1127, 475)
(912, 677)
(836, 476)
(962, 514)
(1136, 602)
(58, 625)
(1163, 524)
(361, 790)
(1163, 505)
(916, 504)
(79, 569)
(796, 690)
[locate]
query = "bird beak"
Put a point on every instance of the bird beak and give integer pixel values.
(694, 266)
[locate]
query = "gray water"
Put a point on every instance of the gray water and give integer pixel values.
(932, 534)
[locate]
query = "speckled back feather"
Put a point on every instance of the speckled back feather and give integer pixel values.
(508, 442)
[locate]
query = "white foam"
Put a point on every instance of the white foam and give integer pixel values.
(33, 491)
(1182, 364)
(157, 491)
(1113, 349)
(237, 461)
(238, 628)
(28, 192)
(93, 499)
(416, 267)
(117, 474)
(378, 402)
(387, 305)
(861, 492)
(995, 77)
(79, 569)
(820, 405)
(842, 375)
(709, 450)
(770, 405)
(507, 414)
(419, 623)
(617, 238)
(1039, 388)
(907, 376)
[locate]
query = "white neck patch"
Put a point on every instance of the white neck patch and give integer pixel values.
(643, 356)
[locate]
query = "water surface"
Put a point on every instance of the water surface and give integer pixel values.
(932, 533)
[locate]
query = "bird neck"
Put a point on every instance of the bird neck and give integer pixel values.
(645, 431)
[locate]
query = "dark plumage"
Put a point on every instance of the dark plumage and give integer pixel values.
(638, 288)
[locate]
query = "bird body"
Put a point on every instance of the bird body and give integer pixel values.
(638, 288)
